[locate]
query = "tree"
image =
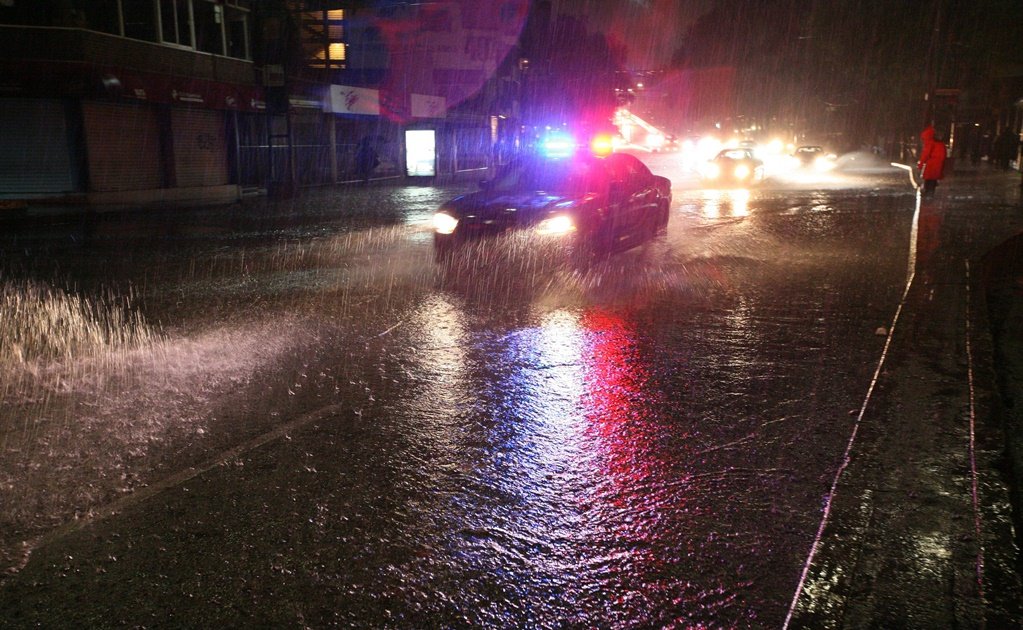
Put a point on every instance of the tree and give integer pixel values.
(574, 75)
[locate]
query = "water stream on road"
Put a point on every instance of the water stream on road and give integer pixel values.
(621, 444)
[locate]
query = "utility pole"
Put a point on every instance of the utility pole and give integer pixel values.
(931, 64)
(276, 43)
(943, 78)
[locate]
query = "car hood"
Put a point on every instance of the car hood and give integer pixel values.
(511, 208)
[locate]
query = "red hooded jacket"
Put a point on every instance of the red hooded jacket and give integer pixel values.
(932, 156)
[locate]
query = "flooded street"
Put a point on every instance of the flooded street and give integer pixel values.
(291, 416)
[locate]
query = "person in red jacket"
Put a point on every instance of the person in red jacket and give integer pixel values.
(932, 159)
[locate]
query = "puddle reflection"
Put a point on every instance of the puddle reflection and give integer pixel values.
(725, 203)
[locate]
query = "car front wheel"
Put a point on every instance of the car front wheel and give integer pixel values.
(592, 246)
(663, 215)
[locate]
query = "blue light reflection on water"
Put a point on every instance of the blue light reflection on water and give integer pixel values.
(582, 501)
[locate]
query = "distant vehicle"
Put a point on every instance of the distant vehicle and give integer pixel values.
(734, 166)
(582, 202)
(671, 144)
(815, 157)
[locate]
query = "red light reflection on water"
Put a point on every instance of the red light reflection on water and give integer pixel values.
(600, 466)
(614, 388)
(643, 459)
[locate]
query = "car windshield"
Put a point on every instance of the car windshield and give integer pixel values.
(569, 176)
(734, 154)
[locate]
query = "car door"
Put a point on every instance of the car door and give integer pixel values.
(638, 196)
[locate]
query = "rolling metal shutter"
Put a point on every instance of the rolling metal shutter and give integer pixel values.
(35, 148)
(200, 147)
(123, 145)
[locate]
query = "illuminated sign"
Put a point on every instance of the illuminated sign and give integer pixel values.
(425, 106)
(420, 152)
(344, 99)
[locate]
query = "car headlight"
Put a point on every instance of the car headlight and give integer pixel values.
(444, 223)
(556, 225)
(741, 171)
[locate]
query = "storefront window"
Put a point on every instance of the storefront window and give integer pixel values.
(472, 149)
(420, 153)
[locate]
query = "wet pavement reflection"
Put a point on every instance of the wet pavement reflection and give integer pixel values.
(643, 443)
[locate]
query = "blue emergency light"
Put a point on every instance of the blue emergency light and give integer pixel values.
(557, 144)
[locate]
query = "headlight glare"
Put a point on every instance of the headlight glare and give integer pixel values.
(823, 164)
(556, 225)
(444, 223)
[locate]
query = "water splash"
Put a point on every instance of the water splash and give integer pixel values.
(43, 323)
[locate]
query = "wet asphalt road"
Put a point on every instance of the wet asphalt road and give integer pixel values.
(314, 425)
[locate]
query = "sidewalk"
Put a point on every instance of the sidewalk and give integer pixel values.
(1002, 279)
(919, 534)
(1003, 285)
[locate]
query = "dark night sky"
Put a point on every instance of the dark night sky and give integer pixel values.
(651, 29)
(862, 64)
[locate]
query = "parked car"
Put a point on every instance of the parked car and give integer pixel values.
(737, 165)
(579, 202)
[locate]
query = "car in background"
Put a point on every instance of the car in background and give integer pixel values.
(813, 157)
(667, 144)
(579, 202)
(736, 166)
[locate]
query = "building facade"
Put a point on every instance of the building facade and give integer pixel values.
(116, 102)
(135, 102)
(421, 85)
